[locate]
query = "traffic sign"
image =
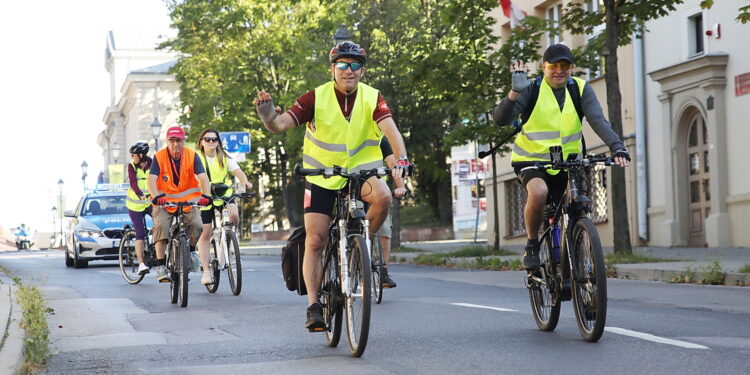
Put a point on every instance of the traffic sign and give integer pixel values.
(235, 142)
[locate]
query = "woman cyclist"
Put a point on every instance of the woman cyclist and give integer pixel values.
(137, 202)
(218, 166)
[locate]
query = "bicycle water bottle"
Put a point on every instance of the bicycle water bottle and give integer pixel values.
(556, 243)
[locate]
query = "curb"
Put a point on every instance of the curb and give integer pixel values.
(650, 274)
(11, 349)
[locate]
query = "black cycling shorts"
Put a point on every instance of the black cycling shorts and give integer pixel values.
(319, 200)
(556, 184)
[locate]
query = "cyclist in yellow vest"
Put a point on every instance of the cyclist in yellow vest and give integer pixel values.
(137, 201)
(553, 121)
(218, 166)
(345, 120)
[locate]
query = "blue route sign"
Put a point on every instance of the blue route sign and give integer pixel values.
(235, 142)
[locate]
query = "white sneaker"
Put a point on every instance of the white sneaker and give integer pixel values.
(207, 278)
(162, 275)
(143, 269)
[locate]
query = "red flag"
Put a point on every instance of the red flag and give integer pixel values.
(513, 12)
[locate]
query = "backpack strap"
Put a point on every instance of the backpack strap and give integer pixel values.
(575, 96)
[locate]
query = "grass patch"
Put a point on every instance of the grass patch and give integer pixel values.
(3, 269)
(406, 249)
(420, 216)
(713, 274)
(611, 259)
(745, 268)
(479, 251)
(34, 322)
(482, 257)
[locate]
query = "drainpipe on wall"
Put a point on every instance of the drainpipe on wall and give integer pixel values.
(640, 137)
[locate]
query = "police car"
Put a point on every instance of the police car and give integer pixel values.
(96, 225)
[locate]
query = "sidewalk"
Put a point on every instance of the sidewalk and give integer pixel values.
(693, 262)
(11, 343)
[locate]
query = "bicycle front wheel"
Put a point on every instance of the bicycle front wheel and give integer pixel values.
(184, 271)
(590, 285)
(172, 262)
(127, 258)
(234, 262)
(213, 267)
(544, 296)
(358, 297)
(330, 291)
(376, 258)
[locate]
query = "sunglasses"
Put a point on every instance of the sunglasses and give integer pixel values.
(211, 139)
(561, 65)
(176, 140)
(354, 65)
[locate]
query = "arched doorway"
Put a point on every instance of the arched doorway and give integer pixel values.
(699, 196)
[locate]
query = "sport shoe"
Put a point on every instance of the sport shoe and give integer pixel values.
(143, 269)
(195, 262)
(162, 275)
(387, 281)
(531, 255)
(315, 321)
(207, 278)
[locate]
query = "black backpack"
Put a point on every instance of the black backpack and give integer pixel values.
(575, 97)
(292, 257)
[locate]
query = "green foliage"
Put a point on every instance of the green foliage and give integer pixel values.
(34, 322)
(419, 216)
(745, 268)
(617, 258)
(713, 274)
(477, 251)
(744, 11)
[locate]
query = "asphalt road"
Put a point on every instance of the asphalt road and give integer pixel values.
(438, 321)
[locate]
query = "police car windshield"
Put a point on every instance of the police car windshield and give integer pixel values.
(104, 206)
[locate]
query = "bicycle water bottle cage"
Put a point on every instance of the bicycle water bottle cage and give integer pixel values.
(555, 153)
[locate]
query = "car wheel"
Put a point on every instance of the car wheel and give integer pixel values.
(78, 262)
(68, 261)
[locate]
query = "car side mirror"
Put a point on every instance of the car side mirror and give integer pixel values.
(70, 213)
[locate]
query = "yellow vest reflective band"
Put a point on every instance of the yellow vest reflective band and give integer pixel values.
(219, 175)
(548, 126)
(133, 202)
(353, 145)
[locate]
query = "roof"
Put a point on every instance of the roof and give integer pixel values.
(137, 38)
(156, 69)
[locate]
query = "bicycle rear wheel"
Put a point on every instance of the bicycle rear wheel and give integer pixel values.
(184, 270)
(127, 258)
(544, 295)
(213, 267)
(376, 258)
(358, 298)
(330, 291)
(590, 286)
(234, 262)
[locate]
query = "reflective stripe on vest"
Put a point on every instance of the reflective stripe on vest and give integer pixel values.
(133, 202)
(548, 126)
(353, 145)
(219, 175)
(188, 189)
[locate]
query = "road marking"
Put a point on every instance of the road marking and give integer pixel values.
(482, 307)
(657, 339)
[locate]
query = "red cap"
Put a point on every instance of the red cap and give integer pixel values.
(175, 132)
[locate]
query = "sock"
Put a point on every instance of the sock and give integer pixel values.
(161, 262)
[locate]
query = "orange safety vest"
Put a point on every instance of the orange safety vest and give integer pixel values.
(188, 189)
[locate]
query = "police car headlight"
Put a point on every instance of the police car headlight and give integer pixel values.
(85, 233)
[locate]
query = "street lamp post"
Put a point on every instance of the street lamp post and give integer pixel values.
(156, 131)
(342, 34)
(60, 185)
(54, 226)
(84, 169)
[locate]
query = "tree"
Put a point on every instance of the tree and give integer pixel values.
(622, 19)
(744, 11)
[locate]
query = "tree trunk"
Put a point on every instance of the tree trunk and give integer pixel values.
(620, 218)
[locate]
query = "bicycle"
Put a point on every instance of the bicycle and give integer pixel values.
(228, 255)
(127, 257)
(346, 277)
(378, 263)
(572, 261)
(178, 257)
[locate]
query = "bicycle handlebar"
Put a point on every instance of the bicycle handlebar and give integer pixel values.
(338, 171)
(155, 199)
(564, 164)
(249, 194)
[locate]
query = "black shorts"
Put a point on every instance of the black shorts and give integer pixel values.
(319, 200)
(556, 184)
(207, 216)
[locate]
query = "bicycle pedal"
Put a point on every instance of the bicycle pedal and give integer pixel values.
(164, 281)
(317, 329)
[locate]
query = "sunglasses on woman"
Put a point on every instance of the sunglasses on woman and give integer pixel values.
(344, 65)
(211, 139)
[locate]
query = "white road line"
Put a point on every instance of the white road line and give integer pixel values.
(482, 307)
(657, 339)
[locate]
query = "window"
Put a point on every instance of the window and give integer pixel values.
(593, 6)
(695, 34)
(515, 198)
(553, 16)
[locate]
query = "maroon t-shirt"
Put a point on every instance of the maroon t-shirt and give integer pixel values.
(303, 110)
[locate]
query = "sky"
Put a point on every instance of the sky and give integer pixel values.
(54, 90)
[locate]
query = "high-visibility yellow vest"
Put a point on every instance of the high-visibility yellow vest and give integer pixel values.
(219, 175)
(353, 145)
(133, 202)
(189, 188)
(548, 126)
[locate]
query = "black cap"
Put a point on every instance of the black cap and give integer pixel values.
(557, 52)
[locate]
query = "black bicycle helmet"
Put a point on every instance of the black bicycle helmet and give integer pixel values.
(348, 49)
(139, 148)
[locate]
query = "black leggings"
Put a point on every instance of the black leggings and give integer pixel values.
(139, 222)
